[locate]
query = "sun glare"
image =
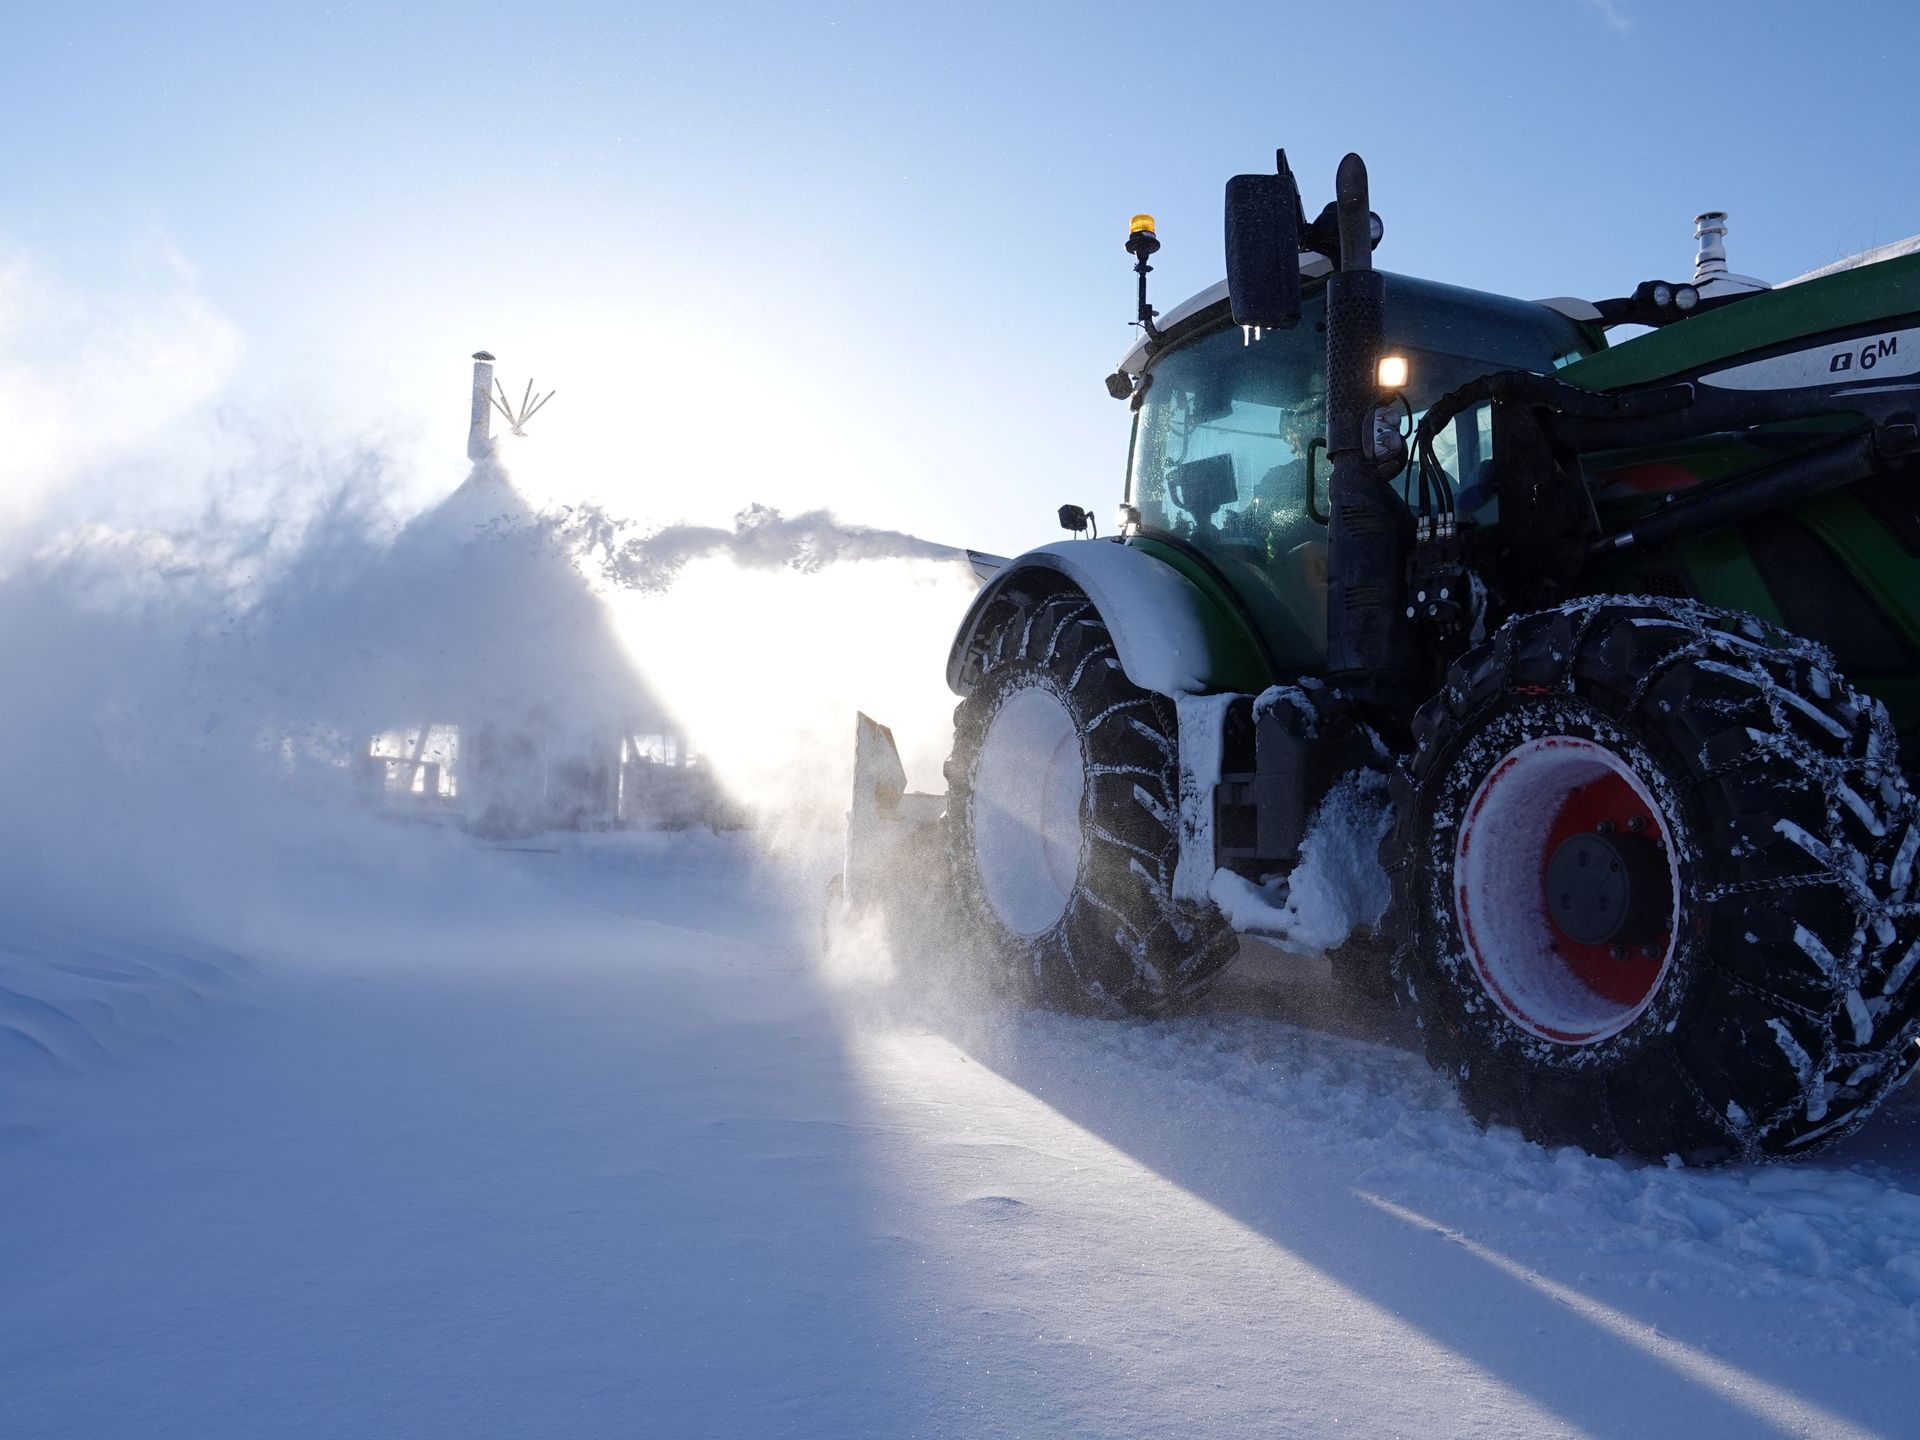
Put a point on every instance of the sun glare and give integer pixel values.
(765, 669)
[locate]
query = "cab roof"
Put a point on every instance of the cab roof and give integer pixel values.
(1421, 313)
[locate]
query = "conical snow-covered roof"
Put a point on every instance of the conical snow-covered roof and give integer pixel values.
(484, 617)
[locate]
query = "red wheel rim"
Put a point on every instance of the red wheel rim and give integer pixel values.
(1544, 972)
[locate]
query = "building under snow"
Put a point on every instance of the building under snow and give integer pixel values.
(521, 710)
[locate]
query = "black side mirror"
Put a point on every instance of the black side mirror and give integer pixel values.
(1263, 248)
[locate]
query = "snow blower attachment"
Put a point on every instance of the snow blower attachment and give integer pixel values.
(888, 827)
(1618, 644)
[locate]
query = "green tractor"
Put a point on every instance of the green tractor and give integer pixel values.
(1611, 653)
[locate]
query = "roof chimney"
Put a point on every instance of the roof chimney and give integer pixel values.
(479, 441)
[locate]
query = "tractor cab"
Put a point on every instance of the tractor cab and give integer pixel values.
(1228, 462)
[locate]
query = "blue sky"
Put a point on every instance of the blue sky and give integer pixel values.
(869, 255)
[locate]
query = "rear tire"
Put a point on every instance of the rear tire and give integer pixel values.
(1734, 984)
(1062, 818)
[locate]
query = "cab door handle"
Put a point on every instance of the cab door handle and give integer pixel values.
(1319, 442)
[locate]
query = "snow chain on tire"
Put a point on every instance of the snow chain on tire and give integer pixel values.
(1123, 944)
(1787, 1008)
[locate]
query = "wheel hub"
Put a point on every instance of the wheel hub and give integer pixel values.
(1027, 793)
(1608, 889)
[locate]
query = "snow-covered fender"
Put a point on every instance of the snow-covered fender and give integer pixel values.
(1168, 634)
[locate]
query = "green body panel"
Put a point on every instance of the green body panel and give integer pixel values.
(1235, 652)
(1882, 566)
(1890, 575)
(1720, 569)
(1715, 568)
(1724, 576)
(1834, 302)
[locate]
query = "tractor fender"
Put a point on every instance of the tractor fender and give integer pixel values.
(1169, 636)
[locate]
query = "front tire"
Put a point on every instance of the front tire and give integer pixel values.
(1656, 878)
(1063, 814)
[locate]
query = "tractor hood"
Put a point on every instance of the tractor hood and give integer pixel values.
(1860, 297)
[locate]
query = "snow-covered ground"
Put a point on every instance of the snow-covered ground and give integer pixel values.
(588, 1138)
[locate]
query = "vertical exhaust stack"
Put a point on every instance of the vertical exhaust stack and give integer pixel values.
(479, 438)
(1710, 261)
(1710, 274)
(1369, 646)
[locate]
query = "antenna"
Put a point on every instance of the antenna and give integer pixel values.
(518, 416)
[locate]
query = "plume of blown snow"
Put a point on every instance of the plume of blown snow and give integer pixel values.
(156, 727)
(761, 539)
(765, 640)
(209, 677)
(203, 632)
